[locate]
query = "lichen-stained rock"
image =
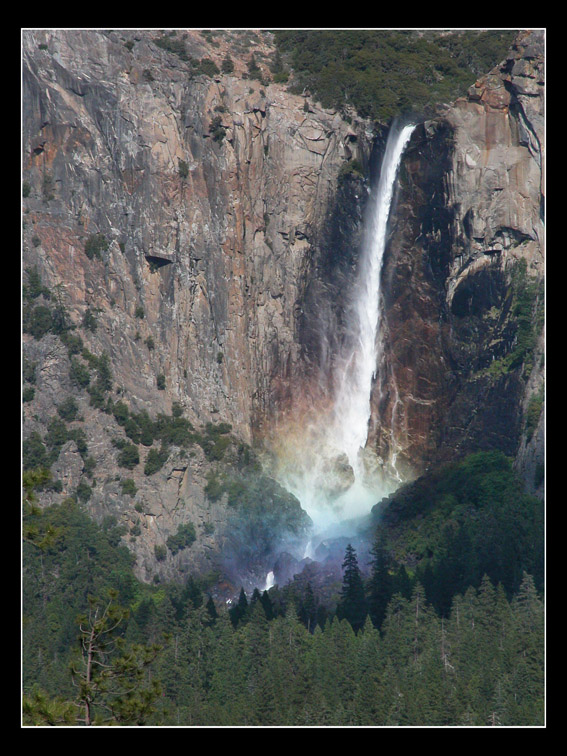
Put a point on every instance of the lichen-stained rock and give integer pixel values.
(175, 213)
(128, 150)
(463, 316)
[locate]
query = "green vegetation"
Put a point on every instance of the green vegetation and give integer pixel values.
(128, 487)
(34, 288)
(227, 65)
(89, 320)
(169, 43)
(47, 187)
(533, 412)
(217, 130)
(182, 539)
(527, 314)
(49, 315)
(28, 394)
(79, 373)
(68, 409)
(39, 453)
(110, 677)
(280, 75)
(352, 605)
(277, 658)
(128, 456)
(254, 70)
(466, 520)
(208, 67)
(182, 169)
(155, 460)
(384, 73)
(95, 245)
(351, 169)
(102, 385)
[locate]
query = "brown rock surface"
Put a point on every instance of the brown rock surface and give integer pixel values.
(209, 191)
(470, 209)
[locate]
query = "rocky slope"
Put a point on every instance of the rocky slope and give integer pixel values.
(194, 228)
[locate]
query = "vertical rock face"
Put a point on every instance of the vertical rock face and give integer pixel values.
(207, 195)
(464, 293)
(208, 191)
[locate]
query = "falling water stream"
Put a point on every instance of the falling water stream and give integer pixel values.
(326, 464)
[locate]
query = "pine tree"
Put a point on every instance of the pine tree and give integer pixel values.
(307, 611)
(226, 702)
(39, 709)
(267, 604)
(352, 604)
(368, 701)
(110, 675)
(527, 674)
(380, 584)
(212, 610)
(239, 612)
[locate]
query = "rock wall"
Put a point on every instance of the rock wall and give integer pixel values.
(464, 338)
(209, 193)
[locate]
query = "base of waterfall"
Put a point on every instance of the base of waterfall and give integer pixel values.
(320, 564)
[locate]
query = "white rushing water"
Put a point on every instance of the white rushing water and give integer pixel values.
(352, 402)
(332, 474)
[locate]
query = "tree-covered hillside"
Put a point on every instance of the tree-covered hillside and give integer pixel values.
(433, 645)
(385, 72)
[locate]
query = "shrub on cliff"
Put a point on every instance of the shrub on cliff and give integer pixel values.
(39, 323)
(128, 456)
(95, 245)
(208, 67)
(182, 539)
(156, 460)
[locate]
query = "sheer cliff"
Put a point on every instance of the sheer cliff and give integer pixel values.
(188, 224)
(171, 214)
(464, 299)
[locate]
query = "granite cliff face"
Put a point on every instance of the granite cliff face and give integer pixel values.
(464, 295)
(195, 227)
(207, 193)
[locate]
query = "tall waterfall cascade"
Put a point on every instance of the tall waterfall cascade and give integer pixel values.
(324, 461)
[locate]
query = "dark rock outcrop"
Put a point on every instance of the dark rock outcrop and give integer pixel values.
(464, 277)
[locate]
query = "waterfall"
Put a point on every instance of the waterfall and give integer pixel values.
(352, 403)
(324, 462)
(308, 553)
(270, 578)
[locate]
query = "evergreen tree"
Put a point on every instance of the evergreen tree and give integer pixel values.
(380, 586)
(267, 604)
(39, 709)
(109, 675)
(352, 604)
(368, 701)
(239, 612)
(212, 610)
(226, 701)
